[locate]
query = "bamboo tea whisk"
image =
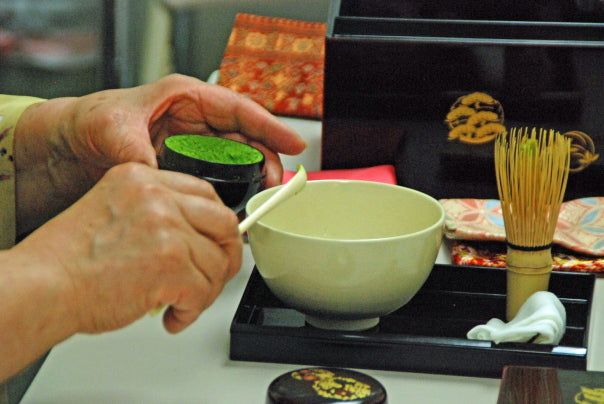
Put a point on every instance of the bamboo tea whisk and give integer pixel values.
(531, 167)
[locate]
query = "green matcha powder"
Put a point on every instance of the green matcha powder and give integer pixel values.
(214, 149)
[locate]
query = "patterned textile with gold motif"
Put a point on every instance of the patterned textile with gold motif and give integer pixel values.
(478, 232)
(278, 63)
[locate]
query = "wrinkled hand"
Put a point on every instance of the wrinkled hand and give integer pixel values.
(63, 146)
(118, 126)
(140, 238)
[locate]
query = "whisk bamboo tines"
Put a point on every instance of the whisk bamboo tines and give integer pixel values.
(531, 167)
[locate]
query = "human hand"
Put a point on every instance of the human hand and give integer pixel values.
(118, 126)
(90, 134)
(139, 238)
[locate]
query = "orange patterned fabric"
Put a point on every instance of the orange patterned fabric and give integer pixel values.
(469, 253)
(278, 63)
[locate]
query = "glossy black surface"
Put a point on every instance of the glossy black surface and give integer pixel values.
(406, 62)
(234, 183)
(325, 386)
(505, 10)
(426, 335)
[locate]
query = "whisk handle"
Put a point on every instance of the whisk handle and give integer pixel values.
(528, 271)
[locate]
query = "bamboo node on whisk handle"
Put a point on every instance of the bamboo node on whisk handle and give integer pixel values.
(527, 272)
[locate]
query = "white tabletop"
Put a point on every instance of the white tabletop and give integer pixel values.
(144, 364)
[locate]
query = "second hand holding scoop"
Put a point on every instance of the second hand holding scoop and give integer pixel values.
(288, 190)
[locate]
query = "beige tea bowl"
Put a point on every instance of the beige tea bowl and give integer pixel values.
(345, 253)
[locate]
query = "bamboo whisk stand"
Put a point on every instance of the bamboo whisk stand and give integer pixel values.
(532, 168)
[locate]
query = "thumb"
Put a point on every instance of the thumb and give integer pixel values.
(136, 147)
(143, 153)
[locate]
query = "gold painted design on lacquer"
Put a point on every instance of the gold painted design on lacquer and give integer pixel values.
(327, 384)
(590, 396)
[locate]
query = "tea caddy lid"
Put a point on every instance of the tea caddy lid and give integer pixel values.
(318, 385)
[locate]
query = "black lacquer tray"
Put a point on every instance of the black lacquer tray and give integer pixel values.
(427, 335)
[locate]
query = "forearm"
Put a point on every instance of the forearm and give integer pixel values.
(39, 140)
(35, 315)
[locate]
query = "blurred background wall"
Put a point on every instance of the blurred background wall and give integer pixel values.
(51, 48)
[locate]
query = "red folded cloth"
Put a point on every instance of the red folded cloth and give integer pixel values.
(277, 62)
(383, 173)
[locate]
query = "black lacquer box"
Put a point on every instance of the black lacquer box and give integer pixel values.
(394, 68)
(428, 335)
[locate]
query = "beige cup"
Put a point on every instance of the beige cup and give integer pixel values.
(347, 252)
